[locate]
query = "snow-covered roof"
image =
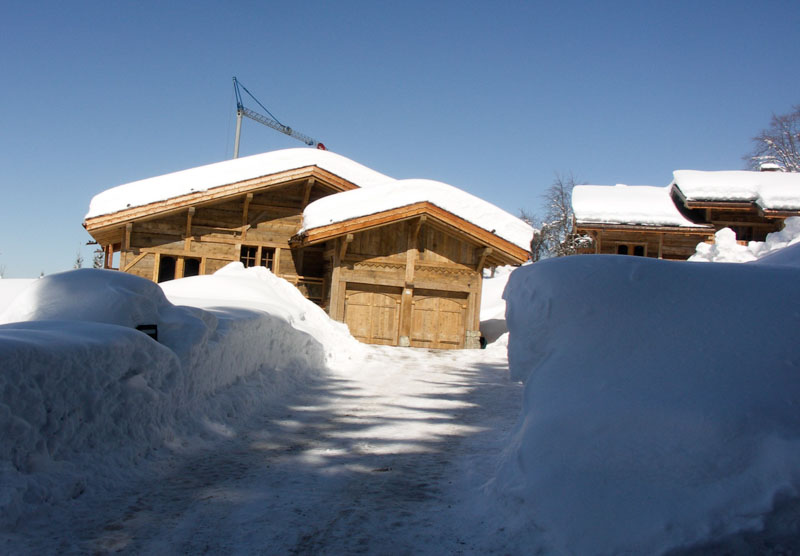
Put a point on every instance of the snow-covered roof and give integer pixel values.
(202, 178)
(770, 190)
(623, 204)
(391, 195)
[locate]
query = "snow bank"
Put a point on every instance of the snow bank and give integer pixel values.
(84, 395)
(362, 202)
(10, 288)
(493, 306)
(660, 404)
(623, 204)
(202, 178)
(725, 248)
(771, 190)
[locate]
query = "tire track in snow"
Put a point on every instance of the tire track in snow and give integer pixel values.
(373, 461)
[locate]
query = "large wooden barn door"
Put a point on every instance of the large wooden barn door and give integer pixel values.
(372, 313)
(438, 322)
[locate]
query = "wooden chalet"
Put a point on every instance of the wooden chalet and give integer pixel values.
(752, 204)
(669, 222)
(405, 271)
(199, 220)
(635, 220)
(401, 275)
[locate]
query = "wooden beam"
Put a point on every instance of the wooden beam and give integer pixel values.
(348, 239)
(187, 243)
(485, 252)
(247, 199)
(228, 191)
(307, 193)
(453, 224)
(138, 258)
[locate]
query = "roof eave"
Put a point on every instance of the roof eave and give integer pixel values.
(218, 193)
(503, 250)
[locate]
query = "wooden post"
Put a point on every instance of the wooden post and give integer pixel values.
(407, 299)
(126, 245)
(247, 199)
(187, 238)
(485, 252)
(336, 308)
(660, 244)
(307, 194)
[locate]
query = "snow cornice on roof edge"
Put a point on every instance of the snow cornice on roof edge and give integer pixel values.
(228, 172)
(629, 205)
(767, 190)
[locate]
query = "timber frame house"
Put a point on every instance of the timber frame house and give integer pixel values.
(409, 275)
(669, 222)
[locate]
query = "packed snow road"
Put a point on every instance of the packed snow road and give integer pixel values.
(385, 455)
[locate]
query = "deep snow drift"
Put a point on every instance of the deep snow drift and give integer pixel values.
(661, 401)
(85, 396)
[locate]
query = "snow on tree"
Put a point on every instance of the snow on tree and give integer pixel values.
(555, 234)
(779, 144)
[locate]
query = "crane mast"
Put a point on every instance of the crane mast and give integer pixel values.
(269, 121)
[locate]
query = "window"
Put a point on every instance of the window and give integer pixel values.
(635, 249)
(252, 255)
(166, 268)
(248, 255)
(191, 267)
(267, 257)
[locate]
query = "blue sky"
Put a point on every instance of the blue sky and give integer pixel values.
(493, 97)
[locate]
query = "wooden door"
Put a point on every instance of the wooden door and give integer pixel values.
(372, 313)
(438, 322)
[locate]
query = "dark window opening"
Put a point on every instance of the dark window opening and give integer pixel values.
(622, 249)
(248, 255)
(166, 268)
(638, 250)
(191, 267)
(267, 257)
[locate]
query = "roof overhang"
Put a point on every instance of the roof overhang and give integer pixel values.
(503, 251)
(608, 226)
(97, 224)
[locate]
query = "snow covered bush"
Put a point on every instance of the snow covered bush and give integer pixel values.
(661, 401)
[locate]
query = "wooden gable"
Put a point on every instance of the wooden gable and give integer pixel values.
(200, 232)
(411, 276)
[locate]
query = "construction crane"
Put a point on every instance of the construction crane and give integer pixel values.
(270, 121)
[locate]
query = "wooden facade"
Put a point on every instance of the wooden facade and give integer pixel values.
(747, 219)
(199, 233)
(660, 242)
(410, 276)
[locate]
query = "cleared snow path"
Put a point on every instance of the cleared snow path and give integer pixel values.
(385, 455)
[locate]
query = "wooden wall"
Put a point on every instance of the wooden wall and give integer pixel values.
(207, 237)
(408, 283)
(664, 245)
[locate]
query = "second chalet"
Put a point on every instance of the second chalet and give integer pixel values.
(668, 222)
(399, 261)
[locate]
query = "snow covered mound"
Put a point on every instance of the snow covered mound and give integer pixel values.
(725, 249)
(84, 395)
(493, 306)
(661, 401)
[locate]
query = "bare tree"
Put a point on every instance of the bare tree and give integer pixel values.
(555, 235)
(98, 260)
(78, 259)
(779, 143)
